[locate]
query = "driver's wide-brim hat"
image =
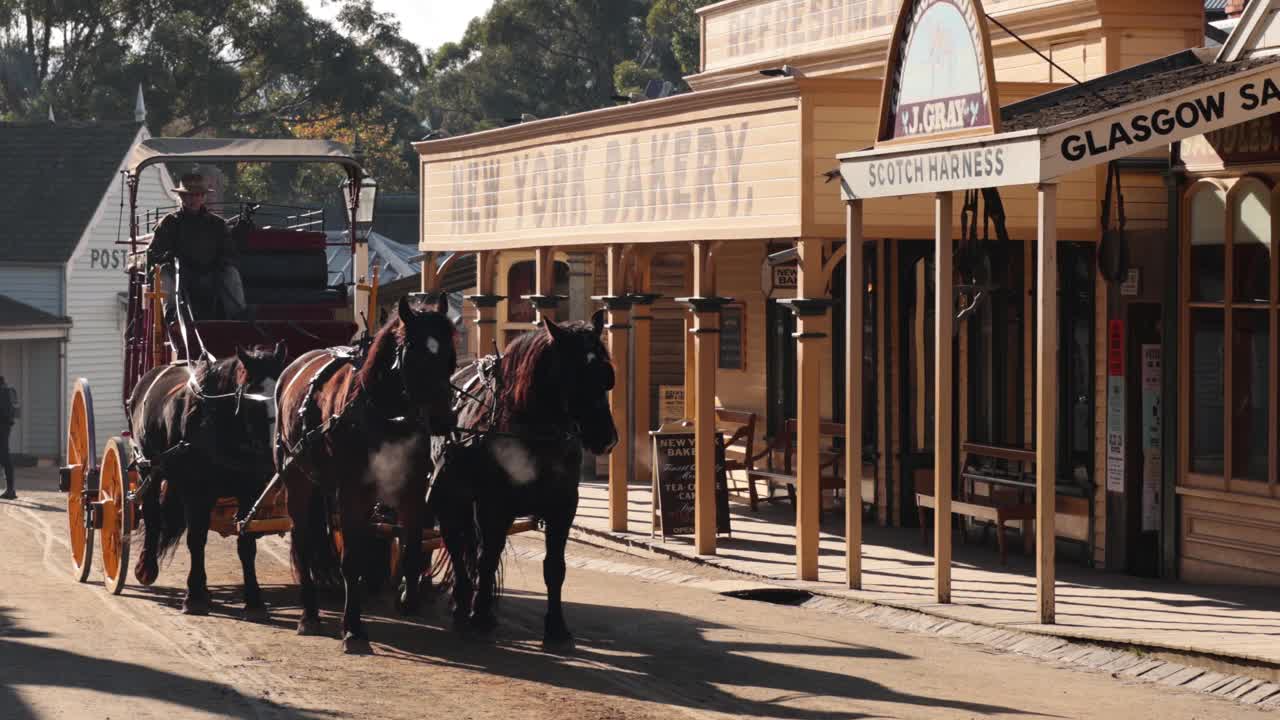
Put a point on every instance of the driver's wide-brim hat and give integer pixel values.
(192, 184)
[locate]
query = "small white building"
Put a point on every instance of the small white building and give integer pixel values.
(63, 245)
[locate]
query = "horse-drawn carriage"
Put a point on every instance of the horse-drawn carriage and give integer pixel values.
(285, 274)
(246, 446)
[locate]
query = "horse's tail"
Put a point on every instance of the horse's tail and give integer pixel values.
(326, 569)
(172, 518)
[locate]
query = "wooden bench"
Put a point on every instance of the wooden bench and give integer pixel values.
(739, 428)
(1006, 475)
(831, 454)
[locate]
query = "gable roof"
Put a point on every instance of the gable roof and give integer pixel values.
(17, 314)
(52, 179)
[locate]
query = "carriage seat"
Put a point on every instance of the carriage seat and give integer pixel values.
(286, 274)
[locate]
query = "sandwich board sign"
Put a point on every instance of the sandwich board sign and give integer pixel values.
(673, 481)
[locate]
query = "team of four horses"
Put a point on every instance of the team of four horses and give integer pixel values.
(355, 434)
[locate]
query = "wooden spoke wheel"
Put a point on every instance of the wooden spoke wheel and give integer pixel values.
(117, 512)
(82, 467)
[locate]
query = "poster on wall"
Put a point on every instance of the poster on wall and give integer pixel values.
(1115, 406)
(670, 403)
(1151, 429)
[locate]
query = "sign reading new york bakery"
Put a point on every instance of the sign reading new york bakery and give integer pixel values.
(732, 174)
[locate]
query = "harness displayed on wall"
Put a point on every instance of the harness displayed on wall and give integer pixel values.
(973, 256)
(1113, 252)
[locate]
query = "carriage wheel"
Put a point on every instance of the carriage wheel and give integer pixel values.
(117, 512)
(82, 462)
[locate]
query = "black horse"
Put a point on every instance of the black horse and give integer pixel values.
(367, 442)
(528, 420)
(206, 430)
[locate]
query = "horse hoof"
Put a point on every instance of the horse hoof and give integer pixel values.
(484, 624)
(146, 574)
(195, 606)
(558, 642)
(309, 626)
(256, 614)
(352, 645)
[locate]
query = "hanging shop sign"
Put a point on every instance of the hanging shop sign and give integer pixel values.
(939, 76)
(674, 482)
(1209, 107)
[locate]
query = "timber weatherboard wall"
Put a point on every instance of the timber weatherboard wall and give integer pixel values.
(96, 279)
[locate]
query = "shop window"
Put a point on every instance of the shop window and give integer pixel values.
(520, 282)
(1208, 210)
(1230, 340)
(1251, 244)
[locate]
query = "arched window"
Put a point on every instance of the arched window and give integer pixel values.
(1230, 316)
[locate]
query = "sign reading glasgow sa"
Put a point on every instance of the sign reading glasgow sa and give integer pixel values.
(1160, 122)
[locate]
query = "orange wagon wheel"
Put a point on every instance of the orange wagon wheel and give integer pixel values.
(117, 512)
(82, 464)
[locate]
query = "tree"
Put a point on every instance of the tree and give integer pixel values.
(674, 25)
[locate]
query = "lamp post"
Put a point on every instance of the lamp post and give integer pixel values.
(360, 200)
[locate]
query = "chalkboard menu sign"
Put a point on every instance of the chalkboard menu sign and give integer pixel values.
(731, 333)
(673, 473)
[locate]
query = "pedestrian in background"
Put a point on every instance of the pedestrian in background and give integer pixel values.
(8, 414)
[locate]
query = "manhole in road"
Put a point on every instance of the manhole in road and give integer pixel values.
(774, 595)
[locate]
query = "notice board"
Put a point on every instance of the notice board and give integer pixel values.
(673, 478)
(732, 350)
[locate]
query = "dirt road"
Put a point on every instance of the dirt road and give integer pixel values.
(646, 649)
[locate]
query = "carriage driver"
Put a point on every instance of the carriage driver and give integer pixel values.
(203, 244)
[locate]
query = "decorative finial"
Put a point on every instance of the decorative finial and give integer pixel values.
(140, 107)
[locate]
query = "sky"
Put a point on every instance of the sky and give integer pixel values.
(429, 23)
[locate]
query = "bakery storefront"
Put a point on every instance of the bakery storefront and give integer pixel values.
(712, 225)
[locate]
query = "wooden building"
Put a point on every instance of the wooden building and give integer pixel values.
(731, 199)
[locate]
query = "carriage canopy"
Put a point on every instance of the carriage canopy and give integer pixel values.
(159, 150)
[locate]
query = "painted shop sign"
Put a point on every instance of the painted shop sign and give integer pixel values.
(784, 29)
(1257, 140)
(939, 72)
(979, 166)
(1163, 122)
(715, 171)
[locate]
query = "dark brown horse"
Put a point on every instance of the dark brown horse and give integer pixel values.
(528, 424)
(206, 429)
(367, 441)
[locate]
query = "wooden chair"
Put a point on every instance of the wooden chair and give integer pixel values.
(739, 445)
(831, 437)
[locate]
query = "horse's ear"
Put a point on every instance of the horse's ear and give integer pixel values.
(242, 355)
(442, 304)
(282, 351)
(406, 312)
(555, 331)
(597, 322)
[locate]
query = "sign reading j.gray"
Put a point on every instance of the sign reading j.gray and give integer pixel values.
(1163, 122)
(938, 80)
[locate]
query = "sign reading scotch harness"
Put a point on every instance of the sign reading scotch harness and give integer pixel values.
(673, 473)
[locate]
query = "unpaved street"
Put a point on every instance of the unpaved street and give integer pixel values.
(646, 649)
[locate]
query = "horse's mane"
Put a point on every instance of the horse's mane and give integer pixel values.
(218, 375)
(522, 367)
(382, 351)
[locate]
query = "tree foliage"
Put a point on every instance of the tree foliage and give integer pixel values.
(267, 68)
(552, 57)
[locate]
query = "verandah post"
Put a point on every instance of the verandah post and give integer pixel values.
(942, 375)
